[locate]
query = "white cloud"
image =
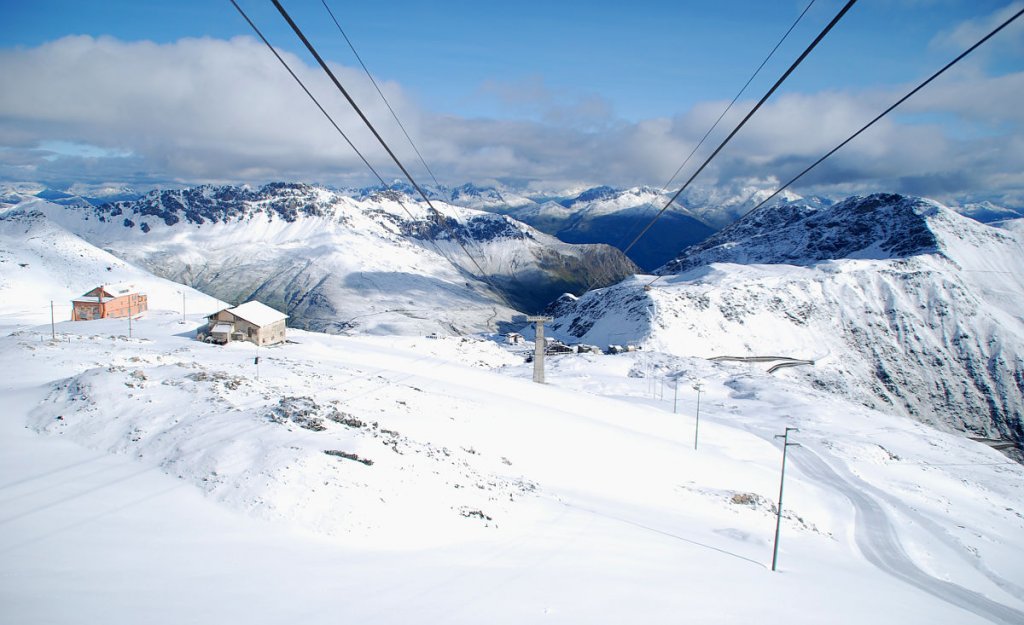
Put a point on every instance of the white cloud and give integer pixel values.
(1010, 39)
(213, 110)
(533, 98)
(199, 108)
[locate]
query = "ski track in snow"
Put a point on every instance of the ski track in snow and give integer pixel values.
(878, 539)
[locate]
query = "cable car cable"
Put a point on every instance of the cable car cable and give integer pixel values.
(742, 123)
(879, 116)
(437, 214)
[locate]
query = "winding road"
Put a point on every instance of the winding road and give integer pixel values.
(878, 540)
(785, 361)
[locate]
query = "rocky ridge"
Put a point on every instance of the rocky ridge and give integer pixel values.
(385, 263)
(903, 304)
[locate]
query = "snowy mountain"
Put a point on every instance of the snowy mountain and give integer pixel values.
(12, 194)
(149, 477)
(1013, 225)
(600, 215)
(987, 212)
(603, 214)
(616, 217)
(901, 303)
(379, 264)
(41, 262)
(487, 198)
(159, 479)
(722, 206)
(77, 194)
(879, 226)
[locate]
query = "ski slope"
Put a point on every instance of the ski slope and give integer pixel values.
(176, 486)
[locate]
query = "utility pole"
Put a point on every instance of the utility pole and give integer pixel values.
(129, 318)
(696, 428)
(256, 361)
(53, 329)
(675, 395)
(782, 482)
(538, 349)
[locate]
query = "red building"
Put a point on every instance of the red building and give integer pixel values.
(108, 301)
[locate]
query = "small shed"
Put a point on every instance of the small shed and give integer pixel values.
(252, 321)
(112, 300)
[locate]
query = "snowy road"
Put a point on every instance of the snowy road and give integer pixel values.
(877, 539)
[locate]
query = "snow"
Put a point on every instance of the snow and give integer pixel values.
(338, 264)
(935, 334)
(44, 265)
(177, 486)
(121, 288)
(395, 479)
(257, 313)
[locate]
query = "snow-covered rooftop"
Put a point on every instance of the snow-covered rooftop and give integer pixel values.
(257, 313)
(120, 288)
(113, 290)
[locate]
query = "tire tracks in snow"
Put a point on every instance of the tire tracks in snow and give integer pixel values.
(878, 540)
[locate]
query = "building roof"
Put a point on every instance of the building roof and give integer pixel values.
(223, 328)
(90, 299)
(120, 288)
(257, 313)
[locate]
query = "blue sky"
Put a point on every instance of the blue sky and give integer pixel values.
(539, 93)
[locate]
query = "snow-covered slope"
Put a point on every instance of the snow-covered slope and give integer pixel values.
(380, 264)
(614, 217)
(721, 205)
(879, 226)
(1013, 225)
(987, 212)
(487, 198)
(41, 262)
(400, 480)
(74, 194)
(157, 479)
(903, 304)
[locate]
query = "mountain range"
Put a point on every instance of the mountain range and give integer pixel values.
(438, 471)
(384, 263)
(901, 303)
(601, 214)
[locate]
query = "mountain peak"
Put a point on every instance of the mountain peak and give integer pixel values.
(883, 225)
(592, 194)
